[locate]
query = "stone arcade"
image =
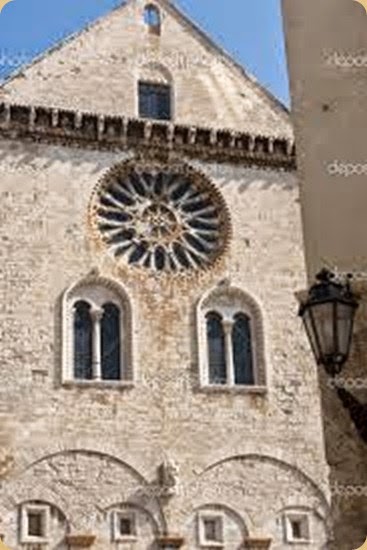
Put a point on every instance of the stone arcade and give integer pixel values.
(156, 390)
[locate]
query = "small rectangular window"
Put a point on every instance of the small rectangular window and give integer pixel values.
(297, 527)
(296, 530)
(35, 523)
(211, 530)
(154, 101)
(124, 526)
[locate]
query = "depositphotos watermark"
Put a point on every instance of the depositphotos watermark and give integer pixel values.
(348, 491)
(348, 383)
(346, 60)
(346, 169)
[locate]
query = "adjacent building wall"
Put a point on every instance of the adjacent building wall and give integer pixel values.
(326, 44)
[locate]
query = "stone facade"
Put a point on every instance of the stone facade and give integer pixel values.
(162, 447)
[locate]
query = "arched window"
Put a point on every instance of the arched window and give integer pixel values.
(82, 341)
(242, 350)
(216, 349)
(152, 18)
(97, 332)
(230, 339)
(111, 342)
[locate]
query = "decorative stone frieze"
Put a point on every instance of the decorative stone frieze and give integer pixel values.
(80, 541)
(169, 478)
(169, 542)
(95, 130)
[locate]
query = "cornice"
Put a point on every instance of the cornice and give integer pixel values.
(104, 132)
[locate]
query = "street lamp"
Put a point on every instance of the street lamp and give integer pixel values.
(328, 316)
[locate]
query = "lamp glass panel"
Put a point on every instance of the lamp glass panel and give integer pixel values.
(307, 321)
(345, 315)
(323, 315)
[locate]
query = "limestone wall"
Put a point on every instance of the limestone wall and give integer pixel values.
(86, 450)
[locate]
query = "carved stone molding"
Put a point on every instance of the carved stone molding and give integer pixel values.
(169, 478)
(170, 541)
(98, 131)
(257, 543)
(80, 541)
(6, 462)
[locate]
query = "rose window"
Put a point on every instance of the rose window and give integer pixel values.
(160, 219)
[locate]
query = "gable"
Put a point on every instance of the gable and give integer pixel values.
(98, 70)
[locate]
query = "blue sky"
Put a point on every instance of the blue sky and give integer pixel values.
(250, 30)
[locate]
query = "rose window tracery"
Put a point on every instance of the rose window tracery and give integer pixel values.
(160, 219)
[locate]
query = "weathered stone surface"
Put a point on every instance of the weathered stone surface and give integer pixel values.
(88, 450)
(45, 196)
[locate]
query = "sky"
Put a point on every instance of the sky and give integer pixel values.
(249, 30)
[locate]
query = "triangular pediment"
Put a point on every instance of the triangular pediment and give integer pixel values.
(97, 70)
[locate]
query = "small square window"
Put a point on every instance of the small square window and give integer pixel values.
(34, 523)
(211, 530)
(154, 101)
(124, 525)
(297, 528)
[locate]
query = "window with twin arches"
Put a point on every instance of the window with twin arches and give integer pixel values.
(97, 332)
(97, 343)
(231, 340)
(230, 354)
